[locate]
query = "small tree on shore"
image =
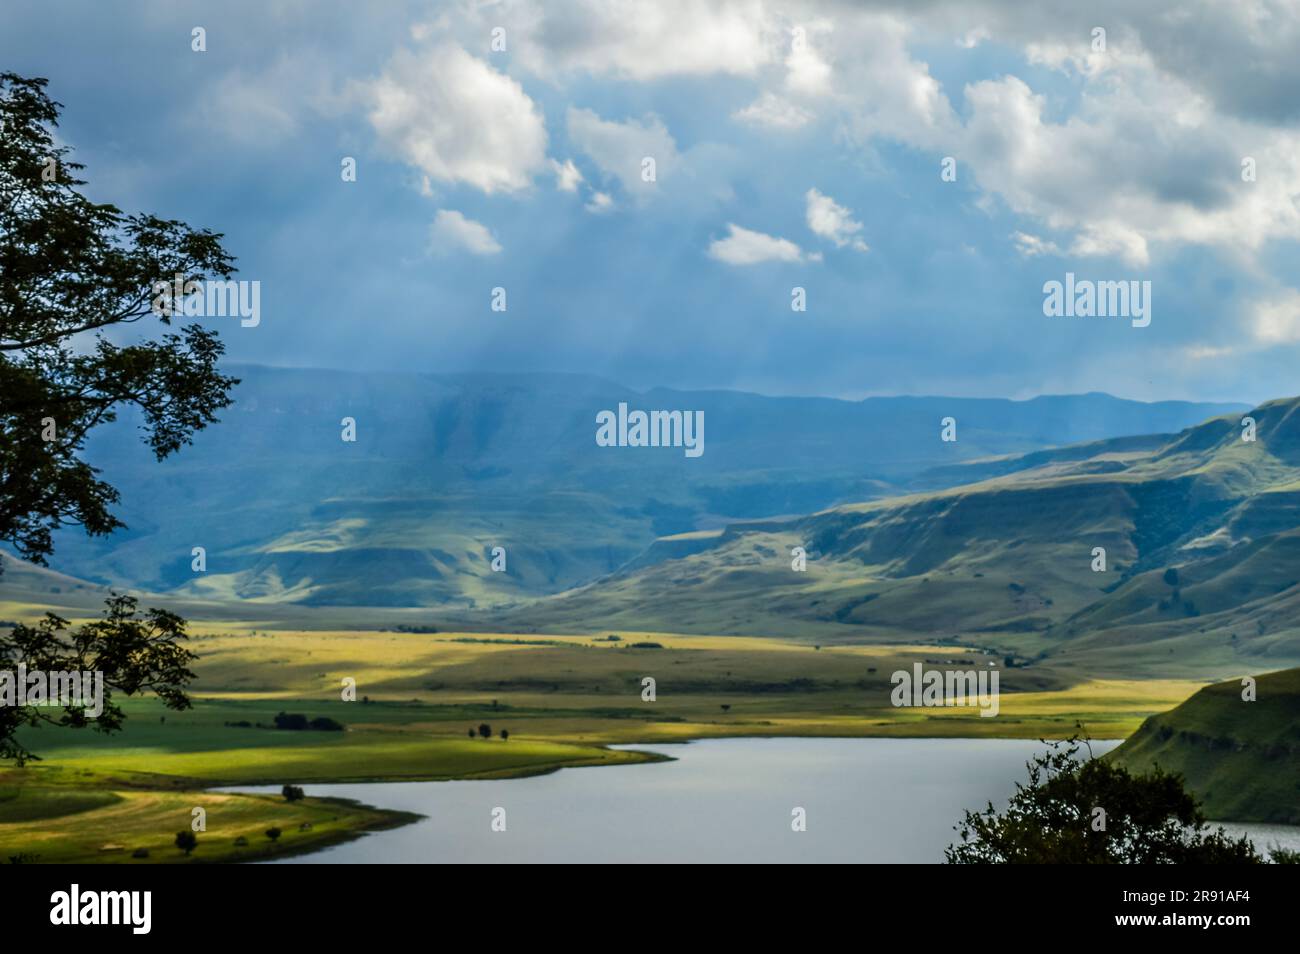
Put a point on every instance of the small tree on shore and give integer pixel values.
(186, 841)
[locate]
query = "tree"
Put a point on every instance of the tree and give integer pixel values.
(71, 269)
(273, 833)
(1148, 819)
(292, 793)
(485, 730)
(70, 266)
(295, 721)
(505, 734)
(134, 651)
(186, 841)
(471, 732)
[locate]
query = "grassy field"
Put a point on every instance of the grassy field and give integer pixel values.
(58, 815)
(563, 699)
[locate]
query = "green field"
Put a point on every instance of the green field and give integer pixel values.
(563, 699)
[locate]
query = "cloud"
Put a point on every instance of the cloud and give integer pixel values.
(1031, 246)
(832, 221)
(745, 247)
(773, 111)
(619, 149)
(640, 40)
(1276, 320)
(457, 120)
(567, 176)
(600, 203)
(260, 105)
(884, 92)
(452, 231)
(1140, 163)
(806, 72)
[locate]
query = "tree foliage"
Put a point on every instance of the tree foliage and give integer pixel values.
(136, 652)
(70, 270)
(1053, 819)
(77, 283)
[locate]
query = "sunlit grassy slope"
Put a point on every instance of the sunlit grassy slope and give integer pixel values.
(1241, 758)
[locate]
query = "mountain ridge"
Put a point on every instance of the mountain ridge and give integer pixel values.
(445, 467)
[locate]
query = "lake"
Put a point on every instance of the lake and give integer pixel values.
(722, 800)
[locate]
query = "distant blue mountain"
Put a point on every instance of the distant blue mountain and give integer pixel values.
(445, 467)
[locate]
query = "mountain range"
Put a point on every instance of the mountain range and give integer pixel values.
(446, 467)
(1175, 553)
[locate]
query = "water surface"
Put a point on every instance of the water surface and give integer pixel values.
(866, 800)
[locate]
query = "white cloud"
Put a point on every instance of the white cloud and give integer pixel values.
(806, 72)
(600, 203)
(567, 176)
(884, 92)
(832, 221)
(745, 247)
(638, 40)
(1142, 162)
(773, 111)
(457, 119)
(1031, 246)
(452, 231)
(619, 149)
(1277, 320)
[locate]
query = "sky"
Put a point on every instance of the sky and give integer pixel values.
(794, 146)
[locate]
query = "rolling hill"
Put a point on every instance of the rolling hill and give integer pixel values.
(1199, 529)
(1242, 759)
(446, 467)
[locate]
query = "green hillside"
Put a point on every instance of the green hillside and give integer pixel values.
(1200, 532)
(446, 467)
(1242, 759)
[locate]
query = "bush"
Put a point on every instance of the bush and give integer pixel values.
(1149, 819)
(297, 722)
(140, 853)
(186, 841)
(292, 793)
(291, 720)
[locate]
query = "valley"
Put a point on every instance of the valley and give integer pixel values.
(1105, 581)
